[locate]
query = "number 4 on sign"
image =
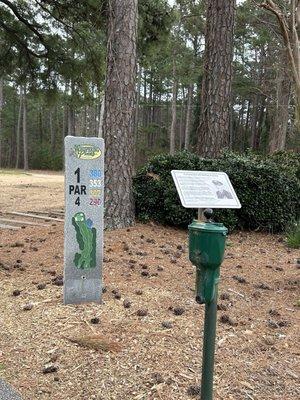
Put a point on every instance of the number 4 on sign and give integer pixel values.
(77, 202)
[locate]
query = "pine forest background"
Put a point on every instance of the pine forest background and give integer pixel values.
(53, 67)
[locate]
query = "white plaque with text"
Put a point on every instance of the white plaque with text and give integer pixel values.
(205, 189)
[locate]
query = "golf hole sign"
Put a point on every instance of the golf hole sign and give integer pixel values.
(84, 186)
(205, 189)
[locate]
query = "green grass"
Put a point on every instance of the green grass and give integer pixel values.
(11, 171)
(293, 236)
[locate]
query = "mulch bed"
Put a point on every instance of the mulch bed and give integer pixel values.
(145, 340)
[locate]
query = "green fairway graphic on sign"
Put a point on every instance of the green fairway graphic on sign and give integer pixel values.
(86, 239)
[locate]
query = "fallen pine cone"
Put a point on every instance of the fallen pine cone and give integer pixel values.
(50, 368)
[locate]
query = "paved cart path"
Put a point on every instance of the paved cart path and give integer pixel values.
(7, 392)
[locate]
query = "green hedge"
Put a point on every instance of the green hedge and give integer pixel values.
(268, 194)
(289, 161)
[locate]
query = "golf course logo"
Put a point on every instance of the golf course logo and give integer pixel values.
(86, 239)
(87, 151)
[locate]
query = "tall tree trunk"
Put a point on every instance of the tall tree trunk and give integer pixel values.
(214, 129)
(137, 111)
(71, 113)
(25, 135)
(64, 124)
(1, 110)
(102, 107)
(150, 98)
(19, 129)
(145, 99)
(181, 124)
(240, 137)
(120, 101)
(12, 159)
(278, 131)
(71, 120)
(40, 122)
(96, 119)
(52, 133)
(254, 121)
(259, 100)
(248, 116)
(85, 121)
(188, 117)
(174, 101)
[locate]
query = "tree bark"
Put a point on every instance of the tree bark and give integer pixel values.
(119, 114)
(278, 131)
(188, 117)
(174, 101)
(214, 129)
(25, 135)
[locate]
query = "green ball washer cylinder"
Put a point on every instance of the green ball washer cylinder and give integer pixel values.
(206, 252)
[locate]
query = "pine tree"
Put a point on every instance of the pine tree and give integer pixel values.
(214, 129)
(120, 101)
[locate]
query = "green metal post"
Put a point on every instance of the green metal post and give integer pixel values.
(209, 340)
(206, 251)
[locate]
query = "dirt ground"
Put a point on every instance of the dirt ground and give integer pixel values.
(156, 356)
(37, 190)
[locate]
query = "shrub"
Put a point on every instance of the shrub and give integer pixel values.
(289, 161)
(293, 235)
(269, 196)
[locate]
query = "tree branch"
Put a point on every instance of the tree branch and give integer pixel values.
(31, 27)
(271, 6)
(21, 42)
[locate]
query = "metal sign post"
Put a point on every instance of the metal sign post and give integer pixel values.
(83, 250)
(203, 189)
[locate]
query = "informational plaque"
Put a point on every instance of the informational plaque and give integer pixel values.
(84, 186)
(205, 189)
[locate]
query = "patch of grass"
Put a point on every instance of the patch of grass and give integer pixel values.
(293, 236)
(12, 172)
(2, 367)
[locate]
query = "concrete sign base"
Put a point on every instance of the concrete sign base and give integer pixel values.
(7, 392)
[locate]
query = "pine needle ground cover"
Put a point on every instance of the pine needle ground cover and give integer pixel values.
(145, 340)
